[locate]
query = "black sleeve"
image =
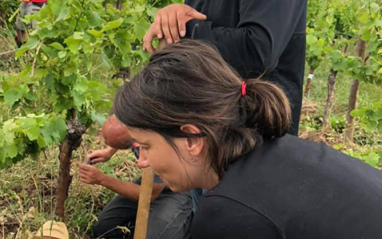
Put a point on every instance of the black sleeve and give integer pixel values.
(261, 35)
(219, 217)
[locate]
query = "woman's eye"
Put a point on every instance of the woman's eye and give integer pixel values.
(143, 148)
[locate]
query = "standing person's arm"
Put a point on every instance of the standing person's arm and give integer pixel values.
(257, 41)
(261, 35)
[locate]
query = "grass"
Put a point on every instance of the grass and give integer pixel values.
(27, 192)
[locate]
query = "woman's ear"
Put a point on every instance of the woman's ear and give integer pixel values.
(195, 145)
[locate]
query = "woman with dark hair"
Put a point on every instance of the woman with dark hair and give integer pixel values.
(200, 126)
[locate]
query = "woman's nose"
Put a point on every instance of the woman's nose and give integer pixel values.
(142, 161)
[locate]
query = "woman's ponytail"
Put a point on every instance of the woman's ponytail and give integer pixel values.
(263, 113)
(267, 109)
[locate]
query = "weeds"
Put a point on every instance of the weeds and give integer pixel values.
(27, 192)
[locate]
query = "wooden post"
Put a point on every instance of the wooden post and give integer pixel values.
(329, 99)
(349, 130)
(144, 204)
(309, 81)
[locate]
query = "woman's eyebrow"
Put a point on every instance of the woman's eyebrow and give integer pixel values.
(137, 141)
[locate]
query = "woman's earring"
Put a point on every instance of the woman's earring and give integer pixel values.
(194, 159)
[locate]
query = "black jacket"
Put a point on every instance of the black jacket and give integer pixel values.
(291, 188)
(257, 37)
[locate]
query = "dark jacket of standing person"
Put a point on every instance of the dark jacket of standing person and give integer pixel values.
(256, 37)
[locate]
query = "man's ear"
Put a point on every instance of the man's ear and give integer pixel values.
(195, 145)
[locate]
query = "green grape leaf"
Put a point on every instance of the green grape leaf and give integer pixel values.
(57, 46)
(12, 95)
(78, 98)
(61, 54)
(74, 45)
(10, 151)
(64, 12)
(94, 19)
(99, 118)
(112, 25)
(372, 159)
(95, 33)
(78, 35)
(31, 44)
(31, 128)
(105, 61)
(2, 140)
(54, 131)
(81, 85)
(141, 27)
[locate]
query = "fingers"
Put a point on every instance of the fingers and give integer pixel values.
(148, 40)
(85, 179)
(173, 26)
(85, 168)
(184, 17)
(91, 155)
(157, 27)
(83, 173)
(196, 15)
(155, 30)
(82, 166)
(100, 155)
(182, 20)
(166, 28)
(87, 173)
(96, 160)
(170, 23)
(94, 154)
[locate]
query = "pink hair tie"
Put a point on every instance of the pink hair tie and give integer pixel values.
(243, 88)
(135, 144)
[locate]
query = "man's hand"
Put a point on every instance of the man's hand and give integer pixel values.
(90, 174)
(170, 23)
(101, 155)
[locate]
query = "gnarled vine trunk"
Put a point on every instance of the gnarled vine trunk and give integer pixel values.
(71, 142)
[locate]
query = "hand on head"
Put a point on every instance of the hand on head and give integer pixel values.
(170, 24)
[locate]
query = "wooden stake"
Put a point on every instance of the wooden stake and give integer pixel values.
(352, 104)
(144, 204)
